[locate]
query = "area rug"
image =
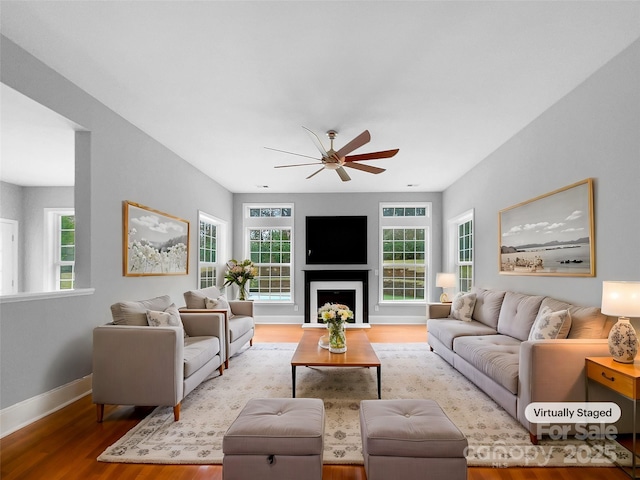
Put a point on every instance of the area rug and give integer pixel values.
(408, 371)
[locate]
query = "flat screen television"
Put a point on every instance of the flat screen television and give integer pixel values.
(336, 240)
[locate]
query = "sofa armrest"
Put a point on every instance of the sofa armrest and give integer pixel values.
(553, 370)
(241, 307)
(203, 323)
(138, 365)
(438, 310)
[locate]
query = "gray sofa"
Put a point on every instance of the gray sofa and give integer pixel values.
(493, 349)
(238, 315)
(138, 364)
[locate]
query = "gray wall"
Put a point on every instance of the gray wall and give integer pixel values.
(47, 343)
(26, 205)
(592, 132)
(343, 204)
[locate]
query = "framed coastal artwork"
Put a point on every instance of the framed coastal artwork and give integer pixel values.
(155, 243)
(550, 235)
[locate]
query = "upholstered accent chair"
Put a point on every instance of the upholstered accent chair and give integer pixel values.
(152, 355)
(239, 320)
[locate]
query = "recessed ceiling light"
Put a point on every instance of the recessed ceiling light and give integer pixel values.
(262, 186)
(412, 184)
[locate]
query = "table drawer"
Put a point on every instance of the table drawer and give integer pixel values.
(611, 379)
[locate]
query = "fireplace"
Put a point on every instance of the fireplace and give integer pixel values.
(349, 287)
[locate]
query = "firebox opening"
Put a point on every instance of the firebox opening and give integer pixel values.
(344, 297)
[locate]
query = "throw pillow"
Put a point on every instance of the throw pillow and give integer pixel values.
(219, 303)
(550, 325)
(462, 306)
(170, 317)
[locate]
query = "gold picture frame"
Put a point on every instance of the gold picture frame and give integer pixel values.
(550, 235)
(154, 243)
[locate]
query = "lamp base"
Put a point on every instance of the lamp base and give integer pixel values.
(444, 298)
(623, 341)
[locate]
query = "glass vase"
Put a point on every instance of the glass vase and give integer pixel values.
(337, 337)
(242, 292)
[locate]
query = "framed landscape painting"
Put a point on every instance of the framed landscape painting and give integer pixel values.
(550, 235)
(155, 243)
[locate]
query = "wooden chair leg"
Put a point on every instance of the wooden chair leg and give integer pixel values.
(251, 342)
(221, 369)
(226, 363)
(100, 411)
(533, 438)
(176, 412)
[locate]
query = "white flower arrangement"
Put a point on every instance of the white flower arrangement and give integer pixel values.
(332, 313)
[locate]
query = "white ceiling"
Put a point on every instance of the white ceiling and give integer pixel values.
(446, 82)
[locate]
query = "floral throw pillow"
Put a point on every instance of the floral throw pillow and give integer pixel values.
(219, 303)
(550, 325)
(462, 306)
(170, 317)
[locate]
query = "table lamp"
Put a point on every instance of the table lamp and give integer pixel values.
(622, 300)
(445, 280)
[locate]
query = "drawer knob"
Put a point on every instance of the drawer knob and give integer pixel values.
(611, 379)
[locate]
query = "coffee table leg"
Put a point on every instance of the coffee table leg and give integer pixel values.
(379, 381)
(293, 380)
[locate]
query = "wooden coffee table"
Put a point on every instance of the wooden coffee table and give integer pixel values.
(359, 353)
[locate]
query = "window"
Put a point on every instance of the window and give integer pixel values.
(211, 240)
(404, 230)
(61, 239)
(269, 231)
(461, 250)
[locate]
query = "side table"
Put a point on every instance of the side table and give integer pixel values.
(622, 378)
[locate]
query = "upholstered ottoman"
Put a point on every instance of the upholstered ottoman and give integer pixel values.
(410, 439)
(275, 438)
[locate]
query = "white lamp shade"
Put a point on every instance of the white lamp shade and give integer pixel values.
(445, 280)
(621, 299)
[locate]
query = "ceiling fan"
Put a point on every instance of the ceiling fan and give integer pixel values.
(336, 160)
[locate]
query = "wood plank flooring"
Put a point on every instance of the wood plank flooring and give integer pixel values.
(65, 444)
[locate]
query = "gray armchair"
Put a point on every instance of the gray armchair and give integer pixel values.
(137, 364)
(239, 320)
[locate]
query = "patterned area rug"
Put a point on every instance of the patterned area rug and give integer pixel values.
(408, 371)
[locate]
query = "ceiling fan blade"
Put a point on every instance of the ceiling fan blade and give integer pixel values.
(343, 174)
(317, 142)
(298, 165)
(371, 156)
(315, 173)
(360, 140)
(364, 168)
(291, 153)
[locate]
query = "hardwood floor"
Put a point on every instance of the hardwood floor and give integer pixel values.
(65, 444)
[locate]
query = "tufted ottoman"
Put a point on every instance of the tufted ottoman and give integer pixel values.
(410, 439)
(275, 438)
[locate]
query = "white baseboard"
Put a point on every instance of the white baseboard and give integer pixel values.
(373, 320)
(21, 414)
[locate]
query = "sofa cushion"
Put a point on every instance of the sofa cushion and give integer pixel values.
(238, 326)
(550, 325)
(195, 299)
(198, 351)
(497, 356)
(135, 312)
(446, 330)
(589, 322)
(517, 314)
(487, 308)
(462, 306)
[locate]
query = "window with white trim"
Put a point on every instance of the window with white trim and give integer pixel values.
(269, 245)
(61, 241)
(211, 250)
(404, 240)
(461, 250)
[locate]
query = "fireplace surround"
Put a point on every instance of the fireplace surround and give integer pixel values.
(339, 282)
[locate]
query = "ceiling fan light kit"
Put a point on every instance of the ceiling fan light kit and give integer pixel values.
(336, 160)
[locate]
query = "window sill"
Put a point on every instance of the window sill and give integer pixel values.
(30, 296)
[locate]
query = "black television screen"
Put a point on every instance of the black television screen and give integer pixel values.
(336, 240)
